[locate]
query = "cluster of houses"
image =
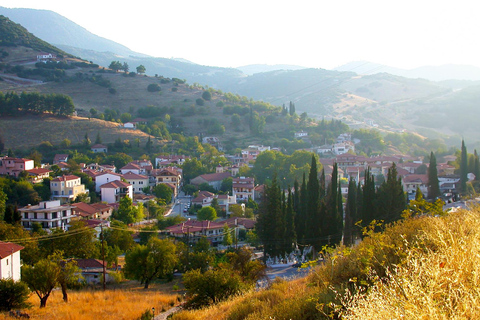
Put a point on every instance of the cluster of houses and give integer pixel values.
(353, 166)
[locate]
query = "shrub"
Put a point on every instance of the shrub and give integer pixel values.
(153, 87)
(174, 89)
(200, 102)
(13, 295)
(207, 96)
(112, 90)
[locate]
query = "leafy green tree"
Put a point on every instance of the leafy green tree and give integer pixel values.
(164, 192)
(141, 69)
(200, 102)
(12, 215)
(207, 213)
(127, 212)
(227, 236)
(13, 295)
(155, 260)
(125, 67)
(433, 185)
(115, 66)
(3, 201)
(212, 286)
(119, 236)
(44, 276)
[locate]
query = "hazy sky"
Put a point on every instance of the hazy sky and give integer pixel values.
(310, 33)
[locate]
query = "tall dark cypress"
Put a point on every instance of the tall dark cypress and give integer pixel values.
(391, 200)
(296, 196)
(368, 209)
(300, 216)
(289, 224)
(338, 219)
(357, 229)
(463, 169)
(270, 221)
(329, 227)
(433, 185)
(312, 227)
(350, 213)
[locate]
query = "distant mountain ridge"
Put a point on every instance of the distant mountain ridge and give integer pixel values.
(433, 73)
(259, 68)
(58, 30)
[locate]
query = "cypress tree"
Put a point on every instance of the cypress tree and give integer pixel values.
(476, 166)
(463, 169)
(313, 224)
(433, 186)
(357, 231)
(289, 224)
(330, 225)
(338, 219)
(296, 196)
(350, 213)
(300, 216)
(270, 221)
(367, 210)
(390, 200)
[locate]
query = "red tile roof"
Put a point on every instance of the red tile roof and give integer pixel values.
(115, 184)
(194, 226)
(130, 175)
(131, 166)
(216, 176)
(38, 171)
(7, 248)
(66, 178)
(89, 263)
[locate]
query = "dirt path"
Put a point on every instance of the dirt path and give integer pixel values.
(164, 315)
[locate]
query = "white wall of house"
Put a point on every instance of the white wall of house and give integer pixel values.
(105, 178)
(10, 267)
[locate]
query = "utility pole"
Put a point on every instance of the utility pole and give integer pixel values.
(103, 257)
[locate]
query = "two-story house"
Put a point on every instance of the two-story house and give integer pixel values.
(50, 215)
(113, 191)
(193, 230)
(243, 188)
(106, 177)
(212, 179)
(37, 175)
(66, 188)
(169, 175)
(138, 181)
(14, 166)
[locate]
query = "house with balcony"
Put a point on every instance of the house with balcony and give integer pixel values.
(168, 175)
(49, 214)
(113, 191)
(66, 188)
(168, 160)
(37, 175)
(194, 230)
(92, 211)
(243, 188)
(10, 262)
(60, 158)
(14, 166)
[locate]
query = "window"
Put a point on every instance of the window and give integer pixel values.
(26, 215)
(34, 215)
(64, 213)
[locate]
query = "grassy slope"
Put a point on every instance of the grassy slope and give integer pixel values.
(30, 131)
(437, 278)
(125, 302)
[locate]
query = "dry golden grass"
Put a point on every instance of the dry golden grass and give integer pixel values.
(126, 303)
(440, 281)
(30, 131)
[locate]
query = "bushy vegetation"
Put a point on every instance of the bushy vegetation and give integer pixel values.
(12, 104)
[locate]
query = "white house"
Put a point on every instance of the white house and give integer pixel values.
(130, 125)
(99, 148)
(104, 178)
(10, 260)
(113, 191)
(50, 215)
(301, 134)
(137, 181)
